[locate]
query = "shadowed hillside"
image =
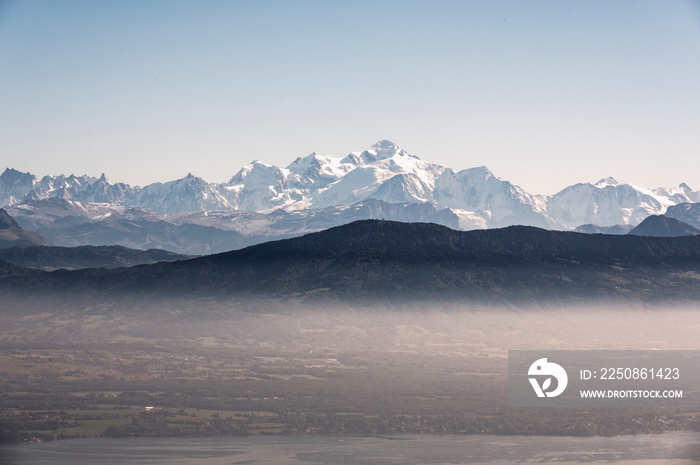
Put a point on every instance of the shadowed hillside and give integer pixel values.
(368, 261)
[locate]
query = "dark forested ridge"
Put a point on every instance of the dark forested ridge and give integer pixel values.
(372, 259)
(12, 270)
(86, 256)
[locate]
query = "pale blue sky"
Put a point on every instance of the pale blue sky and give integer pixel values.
(544, 93)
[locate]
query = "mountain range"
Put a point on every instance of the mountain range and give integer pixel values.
(369, 261)
(263, 202)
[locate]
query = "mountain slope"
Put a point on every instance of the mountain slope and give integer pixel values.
(688, 213)
(368, 261)
(597, 229)
(605, 203)
(6, 221)
(10, 270)
(14, 186)
(183, 195)
(103, 191)
(69, 224)
(663, 226)
(498, 202)
(11, 234)
(71, 258)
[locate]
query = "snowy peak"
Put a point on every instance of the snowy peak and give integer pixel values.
(497, 202)
(404, 188)
(387, 149)
(103, 191)
(82, 189)
(315, 172)
(257, 171)
(14, 186)
(257, 187)
(681, 194)
(609, 203)
(182, 195)
(61, 186)
(302, 164)
(189, 179)
(382, 150)
(13, 177)
(367, 172)
(479, 172)
(609, 181)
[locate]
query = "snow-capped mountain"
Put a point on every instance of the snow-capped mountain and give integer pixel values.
(187, 194)
(680, 194)
(609, 203)
(61, 186)
(103, 191)
(259, 186)
(384, 172)
(14, 186)
(17, 187)
(686, 212)
(499, 203)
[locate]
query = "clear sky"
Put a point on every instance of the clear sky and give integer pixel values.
(544, 93)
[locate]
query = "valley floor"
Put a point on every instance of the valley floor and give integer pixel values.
(307, 372)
